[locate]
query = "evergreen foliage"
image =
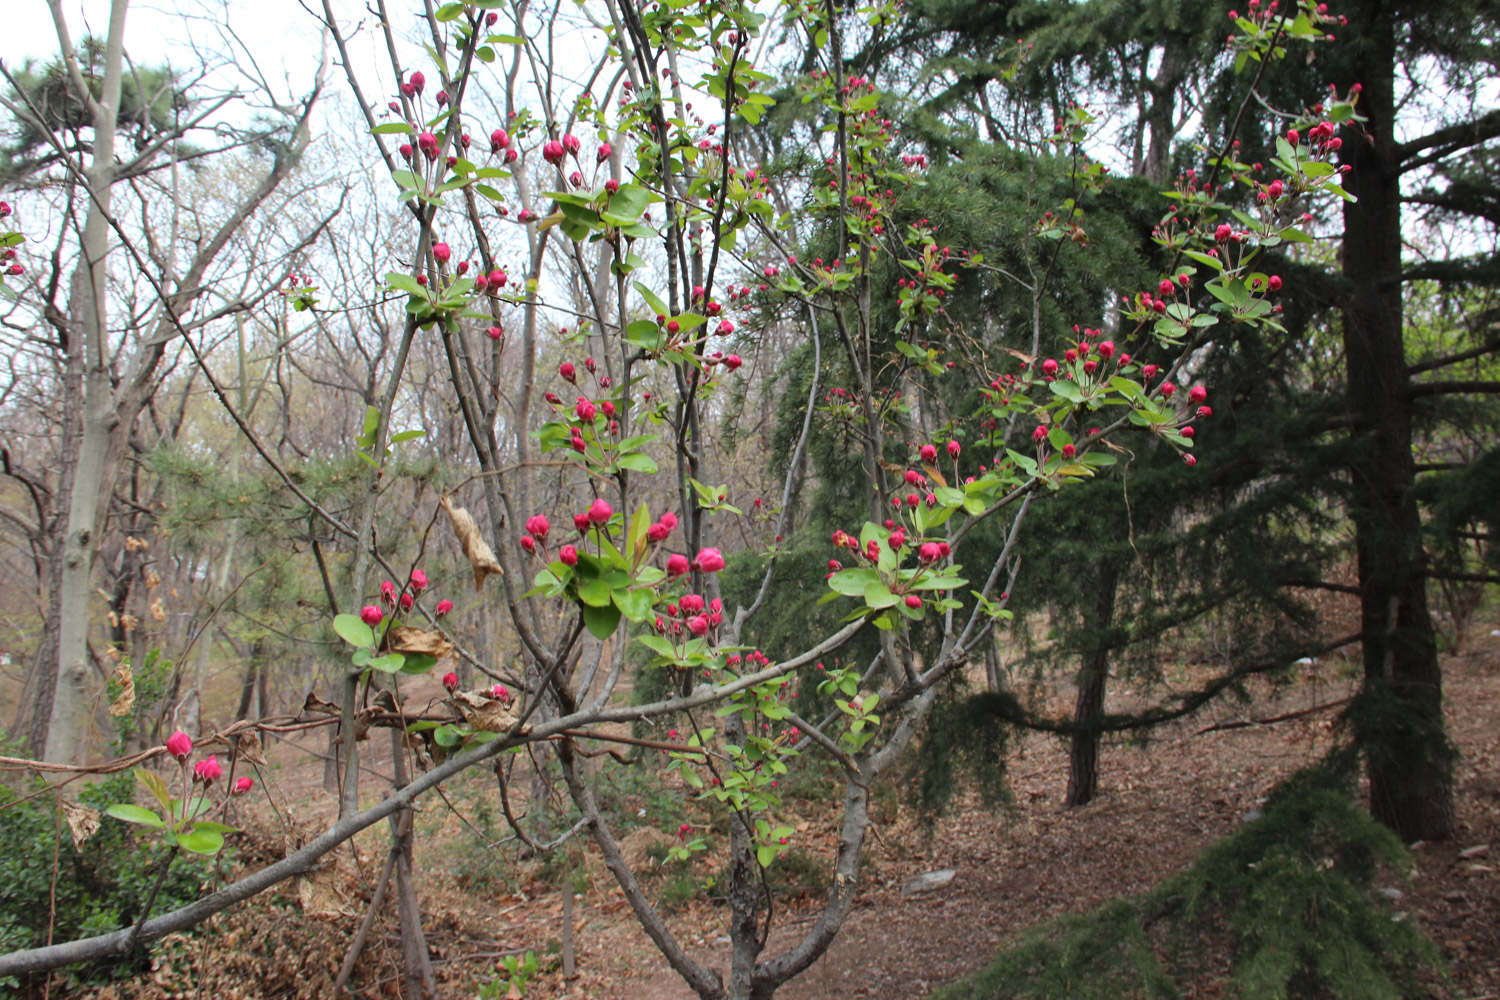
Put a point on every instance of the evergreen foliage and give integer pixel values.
(1290, 895)
(151, 101)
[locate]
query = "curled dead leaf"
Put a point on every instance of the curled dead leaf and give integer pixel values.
(483, 712)
(124, 702)
(248, 747)
(315, 704)
(481, 557)
(82, 822)
(405, 639)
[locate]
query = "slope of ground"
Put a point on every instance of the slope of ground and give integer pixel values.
(1029, 862)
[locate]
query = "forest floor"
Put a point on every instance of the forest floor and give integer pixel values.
(1016, 865)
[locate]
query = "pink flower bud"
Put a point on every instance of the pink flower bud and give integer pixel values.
(443, 607)
(538, 526)
(709, 561)
(450, 681)
(600, 511)
(243, 785)
(677, 564)
(371, 615)
(208, 769)
(528, 544)
(417, 80)
(953, 450)
(552, 152)
(499, 140)
(913, 601)
(611, 186)
(1197, 394)
(928, 453)
(603, 152)
(568, 555)
(418, 580)
(928, 552)
(179, 745)
(570, 143)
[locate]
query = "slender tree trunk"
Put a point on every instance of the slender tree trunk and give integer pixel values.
(76, 691)
(416, 964)
(1399, 715)
(744, 890)
(1093, 678)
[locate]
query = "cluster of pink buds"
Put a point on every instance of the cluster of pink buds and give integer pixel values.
(663, 527)
(404, 598)
(691, 615)
(534, 542)
(208, 769)
(8, 263)
(554, 151)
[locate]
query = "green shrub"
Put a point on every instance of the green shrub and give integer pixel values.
(101, 886)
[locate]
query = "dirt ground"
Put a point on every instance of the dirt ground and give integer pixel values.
(1161, 804)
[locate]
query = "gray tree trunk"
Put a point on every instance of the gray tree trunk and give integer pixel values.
(76, 688)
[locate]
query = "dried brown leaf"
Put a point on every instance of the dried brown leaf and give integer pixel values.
(82, 822)
(481, 557)
(405, 639)
(483, 712)
(124, 702)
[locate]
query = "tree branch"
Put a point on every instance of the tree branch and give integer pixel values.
(1448, 388)
(1446, 141)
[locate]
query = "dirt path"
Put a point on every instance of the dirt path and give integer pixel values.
(1161, 806)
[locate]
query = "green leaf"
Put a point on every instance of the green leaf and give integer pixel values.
(657, 305)
(208, 824)
(852, 582)
(637, 461)
(389, 663)
(595, 592)
(634, 604)
(635, 532)
(410, 435)
(156, 786)
(135, 814)
(601, 622)
(450, 12)
(417, 663)
(878, 595)
(201, 841)
(645, 334)
(353, 630)
(392, 128)
(402, 282)
(658, 645)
